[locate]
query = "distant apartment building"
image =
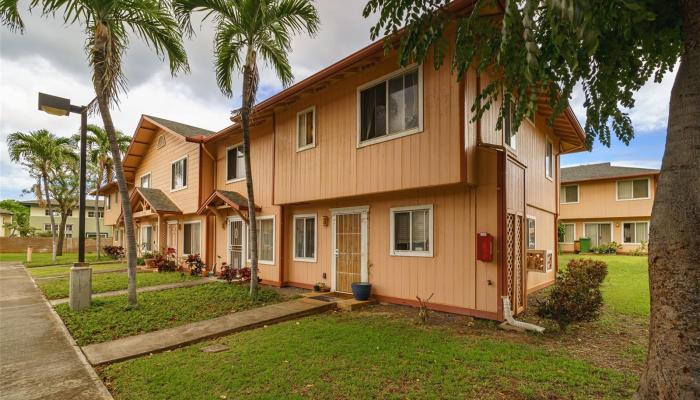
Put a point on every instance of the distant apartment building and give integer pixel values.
(40, 219)
(607, 204)
(5, 219)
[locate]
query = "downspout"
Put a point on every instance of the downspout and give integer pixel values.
(281, 258)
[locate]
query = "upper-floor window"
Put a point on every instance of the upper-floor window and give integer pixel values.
(633, 189)
(146, 180)
(178, 174)
(91, 214)
(47, 212)
(531, 238)
(510, 134)
(412, 231)
(69, 227)
(235, 163)
(569, 194)
(108, 201)
(392, 105)
(306, 128)
(548, 159)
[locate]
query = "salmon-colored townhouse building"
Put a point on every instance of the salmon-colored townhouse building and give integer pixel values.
(364, 171)
(607, 203)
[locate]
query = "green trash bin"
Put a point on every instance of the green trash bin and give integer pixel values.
(585, 244)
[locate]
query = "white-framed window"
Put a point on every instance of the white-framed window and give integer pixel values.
(531, 234)
(599, 232)
(635, 232)
(192, 237)
(47, 227)
(146, 237)
(633, 189)
(108, 201)
(306, 128)
(390, 107)
(510, 134)
(91, 214)
(569, 194)
(68, 235)
(266, 240)
(69, 227)
(411, 230)
(56, 213)
(146, 180)
(235, 163)
(569, 233)
(178, 174)
(305, 237)
(548, 159)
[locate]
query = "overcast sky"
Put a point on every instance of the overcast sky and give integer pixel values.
(50, 57)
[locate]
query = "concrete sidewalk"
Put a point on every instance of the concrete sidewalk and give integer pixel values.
(156, 288)
(166, 339)
(38, 358)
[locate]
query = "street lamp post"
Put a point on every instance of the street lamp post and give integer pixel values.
(81, 273)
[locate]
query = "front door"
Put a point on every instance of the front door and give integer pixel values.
(349, 248)
(235, 243)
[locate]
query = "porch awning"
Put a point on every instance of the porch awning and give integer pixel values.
(225, 199)
(151, 202)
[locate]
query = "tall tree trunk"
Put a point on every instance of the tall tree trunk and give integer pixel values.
(248, 82)
(51, 218)
(61, 233)
(673, 357)
(97, 220)
(103, 103)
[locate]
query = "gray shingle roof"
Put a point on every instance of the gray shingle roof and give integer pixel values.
(7, 212)
(234, 197)
(601, 171)
(158, 200)
(180, 128)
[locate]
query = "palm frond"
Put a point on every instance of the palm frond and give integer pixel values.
(10, 17)
(228, 46)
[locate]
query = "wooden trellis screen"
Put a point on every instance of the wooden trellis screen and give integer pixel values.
(515, 271)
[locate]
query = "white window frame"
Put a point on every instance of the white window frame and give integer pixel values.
(49, 225)
(150, 179)
(274, 240)
(622, 231)
(574, 237)
(311, 145)
(612, 230)
(186, 178)
(226, 170)
(392, 241)
(527, 242)
(513, 146)
(578, 194)
(387, 78)
(68, 228)
(548, 142)
(141, 235)
(294, 237)
(191, 222)
(617, 194)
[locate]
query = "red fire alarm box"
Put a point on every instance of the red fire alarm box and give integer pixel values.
(484, 247)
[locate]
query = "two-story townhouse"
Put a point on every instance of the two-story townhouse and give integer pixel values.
(40, 219)
(369, 172)
(607, 204)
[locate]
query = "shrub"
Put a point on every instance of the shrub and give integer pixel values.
(165, 262)
(115, 252)
(576, 294)
(609, 248)
(228, 273)
(196, 264)
(140, 261)
(641, 250)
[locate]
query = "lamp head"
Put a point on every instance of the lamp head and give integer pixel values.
(54, 105)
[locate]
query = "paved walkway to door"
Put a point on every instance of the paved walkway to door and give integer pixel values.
(166, 339)
(38, 358)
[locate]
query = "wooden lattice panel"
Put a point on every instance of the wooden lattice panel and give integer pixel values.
(510, 222)
(518, 269)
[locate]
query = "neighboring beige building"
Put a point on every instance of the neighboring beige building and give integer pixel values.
(5, 218)
(40, 219)
(607, 203)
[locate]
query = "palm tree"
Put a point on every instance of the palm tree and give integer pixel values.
(100, 156)
(38, 152)
(244, 30)
(108, 24)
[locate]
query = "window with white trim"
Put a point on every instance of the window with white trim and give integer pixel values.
(569, 233)
(146, 180)
(531, 238)
(266, 240)
(69, 227)
(392, 106)
(635, 232)
(146, 237)
(178, 174)
(305, 237)
(91, 214)
(47, 227)
(509, 132)
(306, 128)
(633, 189)
(412, 231)
(569, 194)
(235, 163)
(191, 238)
(548, 159)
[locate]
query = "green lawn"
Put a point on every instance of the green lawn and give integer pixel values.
(626, 289)
(58, 288)
(64, 270)
(109, 318)
(44, 259)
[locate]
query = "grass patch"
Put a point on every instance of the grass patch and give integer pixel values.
(44, 259)
(107, 282)
(109, 318)
(626, 289)
(43, 272)
(363, 355)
